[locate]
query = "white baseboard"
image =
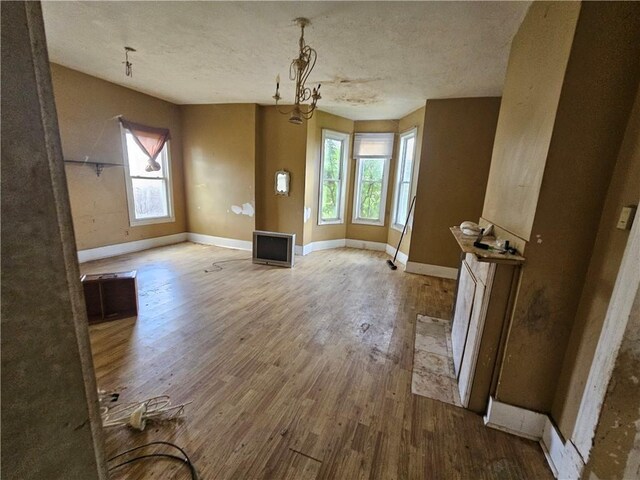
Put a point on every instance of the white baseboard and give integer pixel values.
(220, 241)
(366, 245)
(432, 270)
(516, 420)
(402, 257)
(129, 247)
(563, 457)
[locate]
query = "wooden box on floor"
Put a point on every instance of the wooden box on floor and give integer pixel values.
(110, 296)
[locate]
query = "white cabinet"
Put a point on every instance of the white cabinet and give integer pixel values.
(476, 281)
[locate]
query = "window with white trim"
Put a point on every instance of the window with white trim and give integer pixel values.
(372, 152)
(333, 166)
(404, 178)
(149, 193)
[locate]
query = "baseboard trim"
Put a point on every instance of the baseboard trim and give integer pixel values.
(402, 257)
(515, 420)
(220, 241)
(366, 245)
(562, 455)
(432, 270)
(129, 247)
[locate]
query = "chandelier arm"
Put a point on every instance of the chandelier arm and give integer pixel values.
(284, 112)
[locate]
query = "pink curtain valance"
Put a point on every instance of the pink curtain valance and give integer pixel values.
(150, 139)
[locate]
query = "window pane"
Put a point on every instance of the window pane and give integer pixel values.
(372, 169)
(332, 157)
(138, 160)
(403, 201)
(150, 198)
(370, 200)
(408, 160)
(330, 192)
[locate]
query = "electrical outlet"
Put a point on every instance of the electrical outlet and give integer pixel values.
(626, 217)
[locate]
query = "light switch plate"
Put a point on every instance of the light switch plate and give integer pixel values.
(626, 217)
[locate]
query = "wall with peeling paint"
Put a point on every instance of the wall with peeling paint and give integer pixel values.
(456, 155)
(372, 233)
(616, 448)
(582, 151)
(603, 269)
(280, 145)
(220, 163)
(413, 120)
(87, 107)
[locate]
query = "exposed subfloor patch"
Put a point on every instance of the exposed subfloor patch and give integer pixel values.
(433, 375)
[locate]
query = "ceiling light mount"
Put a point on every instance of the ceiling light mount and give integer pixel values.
(128, 66)
(299, 71)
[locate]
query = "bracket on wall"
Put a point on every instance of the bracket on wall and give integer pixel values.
(99, 166)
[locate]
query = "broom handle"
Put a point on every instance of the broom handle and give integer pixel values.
(404, 229)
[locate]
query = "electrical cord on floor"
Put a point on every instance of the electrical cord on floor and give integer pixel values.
(186, 460)
(218, 268)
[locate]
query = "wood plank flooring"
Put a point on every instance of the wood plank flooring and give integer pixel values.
(300, 373)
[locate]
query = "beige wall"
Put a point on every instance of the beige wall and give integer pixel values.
(324, 120)
(280, 145)
(456, 155)
(87, 108)
(579, 164)
(535, 74)
(219, 163)
(372, 233)
(413, 120)
(601, 276)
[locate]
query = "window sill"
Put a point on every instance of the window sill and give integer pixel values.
(330, 222)
(372, 223)
(151, 221)
(398, 228)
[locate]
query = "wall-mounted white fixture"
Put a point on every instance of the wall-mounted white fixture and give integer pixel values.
(282, 182)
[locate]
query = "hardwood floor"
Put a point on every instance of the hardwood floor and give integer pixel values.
(293, 373)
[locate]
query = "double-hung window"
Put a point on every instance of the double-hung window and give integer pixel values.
(333, 166)
(404, 178)
(372, 152)
(148, 182)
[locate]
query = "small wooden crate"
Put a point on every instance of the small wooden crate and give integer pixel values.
(110, 296)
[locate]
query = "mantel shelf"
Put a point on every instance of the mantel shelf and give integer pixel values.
(99, 166)
(466, 245)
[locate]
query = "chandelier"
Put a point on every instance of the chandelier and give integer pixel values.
(299, 71)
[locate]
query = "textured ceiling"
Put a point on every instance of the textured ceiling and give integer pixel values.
(375, 59)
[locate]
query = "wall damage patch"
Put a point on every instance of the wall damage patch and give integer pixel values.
(246, 209)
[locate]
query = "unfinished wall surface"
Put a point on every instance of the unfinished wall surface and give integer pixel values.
(87, 114)
(601, 276)
(219, 167)
(456, 156)
(535, 75)
(324, 120)
(604, 66)
(51, 426)
(616, 448)
(372, 233)
(280, 145)
(413, 120)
